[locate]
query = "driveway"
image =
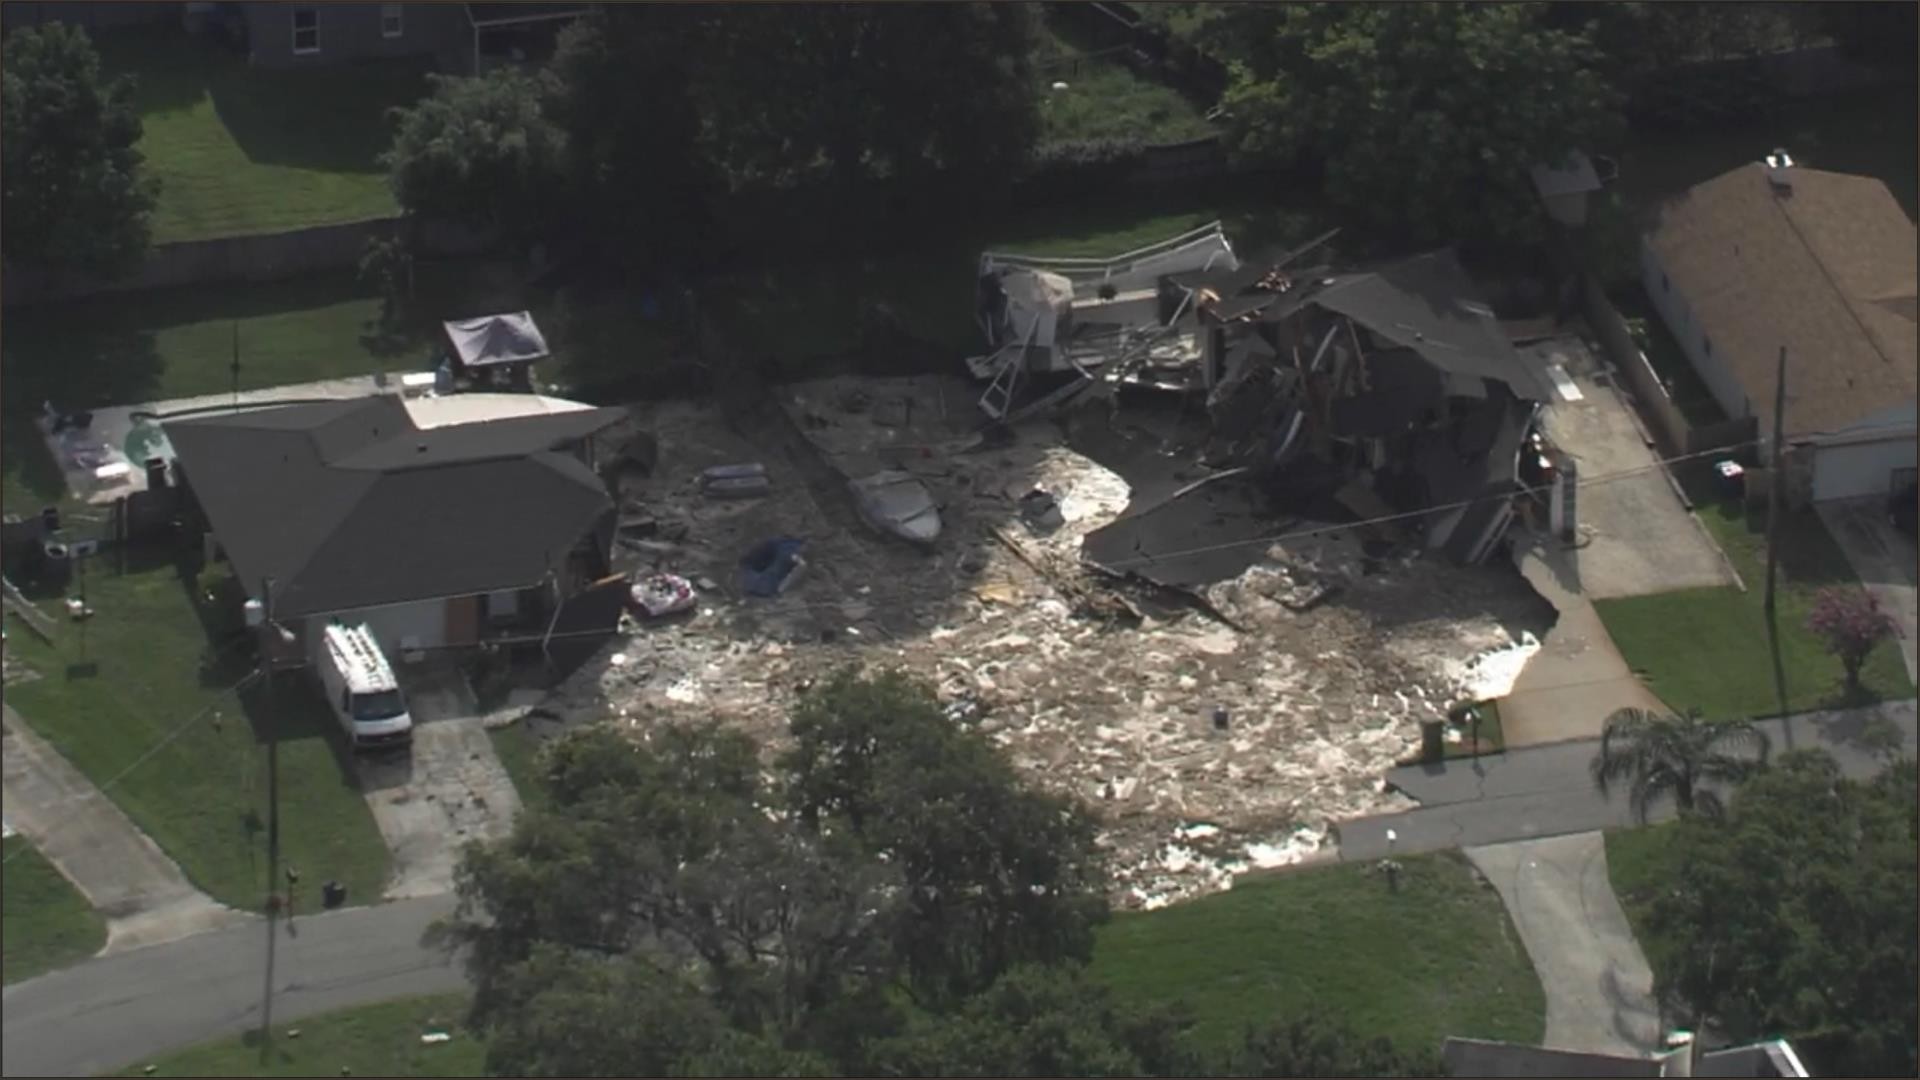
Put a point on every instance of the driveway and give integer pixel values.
(139, 891)
(1578, 678)
(1883, 557)
(1638, 538)
(1598, 987)
(450, 789)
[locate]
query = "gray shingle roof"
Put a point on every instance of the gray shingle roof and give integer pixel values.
(339, 503)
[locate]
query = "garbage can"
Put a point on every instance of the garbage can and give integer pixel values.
(333, 894)
(56, 569)
(1433, 740)
(1730, 478)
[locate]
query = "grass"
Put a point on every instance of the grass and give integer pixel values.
(516, 747)
(243, 150)
(1437, 958)
(143, 706)
(47, 923)
(119, 350)
(1104, 98)
(371, 1040)
(1711, 648)
(1639, 863)
(1491, 739)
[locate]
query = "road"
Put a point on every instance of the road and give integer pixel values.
(1546, 791)
(120, 1009)
(126, 1008)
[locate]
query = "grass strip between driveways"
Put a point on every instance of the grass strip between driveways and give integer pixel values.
(1438, 957)
(143, 702)
(47, 923)
(1639, 863)
(371, 1040)
(1711, 649)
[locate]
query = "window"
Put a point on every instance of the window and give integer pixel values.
(392, 22)
(306, 31)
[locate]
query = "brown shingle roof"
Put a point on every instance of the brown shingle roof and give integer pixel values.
(1827, 271)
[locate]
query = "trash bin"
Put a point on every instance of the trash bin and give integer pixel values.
(1433, 740)
(332, 894)
(1730, 478)
(56, 569)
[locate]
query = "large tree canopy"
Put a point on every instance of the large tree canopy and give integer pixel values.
(1425, 118)
(1799, 915)
(482, 152)
(73, 192)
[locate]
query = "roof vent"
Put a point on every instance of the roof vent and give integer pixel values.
(1778, 164)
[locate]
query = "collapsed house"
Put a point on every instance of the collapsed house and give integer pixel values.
(1390, 393)
(1393, 392)
(1058, 325)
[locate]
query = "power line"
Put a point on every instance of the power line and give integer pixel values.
(1624, 474)
(101, 789)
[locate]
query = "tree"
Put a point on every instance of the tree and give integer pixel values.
(1315, 1043)
(996, 874)
(1851, 625)
(1674, 754)
(1425, 119)
(74, 191)
(1038, 1021)
(1877, 33)
(482, 152)
(1796, 915)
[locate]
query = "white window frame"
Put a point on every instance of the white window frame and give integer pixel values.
(393, 20)
(298, 30)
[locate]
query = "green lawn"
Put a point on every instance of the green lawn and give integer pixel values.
(1711, 649)
(1437, 958)
(248, 150)
(372, 1040)
(515, 746)
(1639, 862)
(1104, 98)
(150, 712)
(47, 923)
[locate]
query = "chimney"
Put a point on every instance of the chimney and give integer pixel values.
(1779, 171)
(1678, 1058)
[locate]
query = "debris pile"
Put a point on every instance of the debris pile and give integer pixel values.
(1335, 660)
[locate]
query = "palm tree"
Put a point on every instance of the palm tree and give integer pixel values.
(1674, 753)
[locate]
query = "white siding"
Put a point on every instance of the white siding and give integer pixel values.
(425, 620)
(1674, 310)
(1851, 471)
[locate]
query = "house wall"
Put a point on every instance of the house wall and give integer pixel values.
(424, 620)
(1860, 469)
(1693, 339)
(352, 31)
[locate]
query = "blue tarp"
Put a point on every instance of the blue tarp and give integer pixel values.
(768, 564)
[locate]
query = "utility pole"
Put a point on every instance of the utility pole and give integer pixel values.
(273, 815)
(1779, 484)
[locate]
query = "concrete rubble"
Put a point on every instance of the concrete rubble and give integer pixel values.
(1336, 659)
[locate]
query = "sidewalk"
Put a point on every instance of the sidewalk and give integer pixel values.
(1547, 790)
(141, 893)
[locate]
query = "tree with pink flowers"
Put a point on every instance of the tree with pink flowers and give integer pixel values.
(1851, 624)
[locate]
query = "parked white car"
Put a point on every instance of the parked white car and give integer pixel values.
(359, 685)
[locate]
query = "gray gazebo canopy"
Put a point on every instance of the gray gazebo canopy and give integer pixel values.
(492, 340)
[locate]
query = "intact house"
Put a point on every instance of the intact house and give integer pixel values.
(1775, 255)
(461, 38)
(439, 522)
(1392, 391)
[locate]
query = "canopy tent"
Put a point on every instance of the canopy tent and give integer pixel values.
(491, 340)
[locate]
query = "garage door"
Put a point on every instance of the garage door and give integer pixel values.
(1845, 472)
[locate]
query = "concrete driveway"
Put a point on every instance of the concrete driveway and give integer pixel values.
(1578, 678)
(141, 893)
(449, 790)
(1883, 557)
(1599, 989)
(1638, 538)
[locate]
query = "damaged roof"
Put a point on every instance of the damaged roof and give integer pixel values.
(348, 504)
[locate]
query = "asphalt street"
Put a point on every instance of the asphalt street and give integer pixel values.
(126, 1008)
(1546, 790)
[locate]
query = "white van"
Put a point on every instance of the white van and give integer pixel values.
(359, 685)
